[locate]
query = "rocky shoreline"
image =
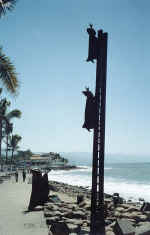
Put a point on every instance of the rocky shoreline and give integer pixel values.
(122, 218)
(68, 211)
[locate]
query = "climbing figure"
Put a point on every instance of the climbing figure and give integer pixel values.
(89, 122)
(16, 176)
(24, 175)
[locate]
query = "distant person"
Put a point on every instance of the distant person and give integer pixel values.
(24, 175)
(16, 176)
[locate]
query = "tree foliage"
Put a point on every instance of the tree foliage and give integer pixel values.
(6, 5)
(8, 75)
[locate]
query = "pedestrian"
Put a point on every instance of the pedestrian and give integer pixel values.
(24, 175)
(16, 176)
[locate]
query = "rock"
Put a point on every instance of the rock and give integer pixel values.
(74, 221)
(82, 204)
(145, 206)
(147, 213)
(52, 214)
(108, 222)
(87, 207)
(143, 230)
(51, 206)
(54, 198)
(73, 228)
(53, 188)
(75, 215)
(125, 206)
(51, 220)
(80, 198)
(85, 231)
(131, 209)
(120, 209)
(59, 228)
(117, 214)
(135, 215)
(110, 206)
(142, 218)
(123, 227)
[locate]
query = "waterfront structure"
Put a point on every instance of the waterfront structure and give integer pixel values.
(43, 161)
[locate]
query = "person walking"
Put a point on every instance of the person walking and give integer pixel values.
(24, 175)
(16, 176)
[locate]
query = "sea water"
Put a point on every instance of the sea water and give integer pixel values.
(130, 180)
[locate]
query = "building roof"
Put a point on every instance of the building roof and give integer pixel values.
(38, 157)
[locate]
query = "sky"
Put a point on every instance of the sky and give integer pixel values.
(48, 44)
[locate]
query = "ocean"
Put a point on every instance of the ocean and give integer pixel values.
(130, 180)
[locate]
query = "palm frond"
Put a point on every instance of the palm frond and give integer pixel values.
(14, 114)
(15, 139)
(1, 89)
(6, 5)
(8, 74)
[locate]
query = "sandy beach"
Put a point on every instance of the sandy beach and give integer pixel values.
(14, 201)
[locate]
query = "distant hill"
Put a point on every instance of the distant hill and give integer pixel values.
(85, 158)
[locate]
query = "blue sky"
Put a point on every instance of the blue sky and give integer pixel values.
(48, 44)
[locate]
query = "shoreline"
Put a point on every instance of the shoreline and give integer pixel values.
(129, 213)
(63, 206)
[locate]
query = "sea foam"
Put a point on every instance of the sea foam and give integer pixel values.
(83, 177)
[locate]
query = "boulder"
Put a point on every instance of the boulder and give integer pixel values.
(74, 221)
(52, 214)
(53, 188)
(75, 215)
(145, 206)
(73, 228)
(54, 199)
(131, 209)
(59, 228)
(80, 198)
(123, 227)
(120, 209)
(137, 216)
(85, 230)
(51, 220)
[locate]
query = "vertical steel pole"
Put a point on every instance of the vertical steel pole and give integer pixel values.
(95, 139)
(97, 196)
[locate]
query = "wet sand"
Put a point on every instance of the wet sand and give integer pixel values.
(14, 200)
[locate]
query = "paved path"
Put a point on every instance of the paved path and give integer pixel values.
(14, 200)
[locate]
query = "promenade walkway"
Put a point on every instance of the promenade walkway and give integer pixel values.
(14, 200)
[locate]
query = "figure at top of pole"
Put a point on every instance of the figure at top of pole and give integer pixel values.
(92, 51)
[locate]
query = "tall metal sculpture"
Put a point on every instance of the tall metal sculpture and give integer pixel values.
(98, 52)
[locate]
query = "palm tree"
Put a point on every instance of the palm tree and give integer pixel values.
(8, 131)
(8, 75)
(6, 5)
(6, 117)
(14, 140)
